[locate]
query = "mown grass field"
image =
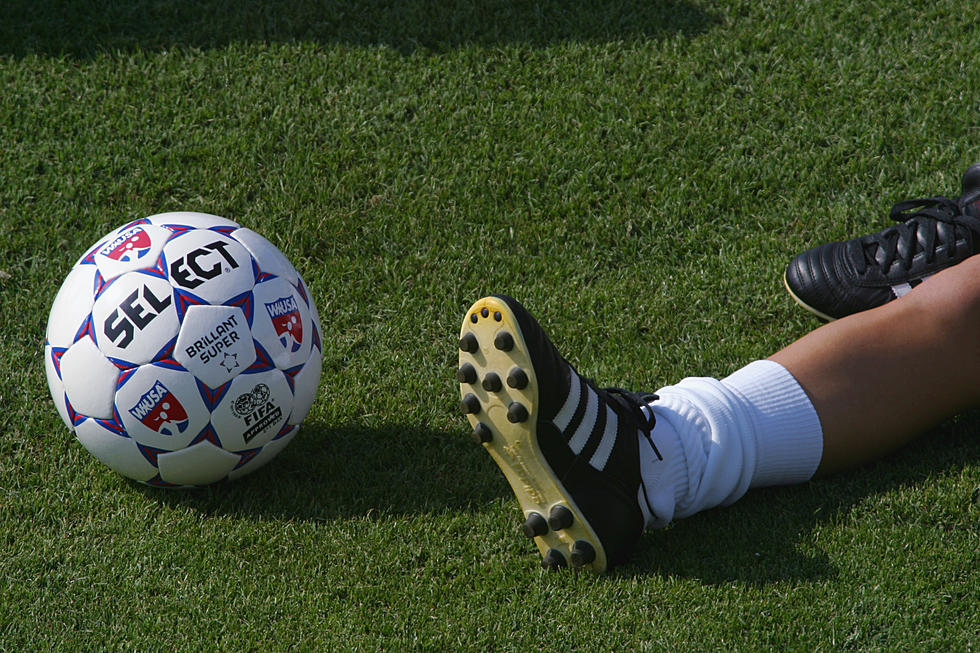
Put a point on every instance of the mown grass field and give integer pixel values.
(638, 173)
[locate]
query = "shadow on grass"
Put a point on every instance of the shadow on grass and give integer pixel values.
(84, 28)
(329, 473)
(757, 540)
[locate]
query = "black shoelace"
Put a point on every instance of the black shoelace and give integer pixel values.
(919, 231)
(633, 402)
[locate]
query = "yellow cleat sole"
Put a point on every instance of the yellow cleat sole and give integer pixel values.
(499, 396)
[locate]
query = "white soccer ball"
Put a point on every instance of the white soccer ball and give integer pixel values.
(183, 349)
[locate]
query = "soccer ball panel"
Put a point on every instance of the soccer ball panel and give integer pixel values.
(268, 452)
(305, 385)
(131, 248)
(190, 219)
(134, 317)
(209, 265)
(89, 379)
(281, 323)
(267, 255)
(71, 306)
(253, 410)
(117, 451)
(161, 407)
(55, 386)
(199, 464)
(215, 343)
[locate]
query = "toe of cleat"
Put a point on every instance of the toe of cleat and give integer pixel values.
(499, 396)
(466, 374)
(469, 343)
(503, 341)
(491, 382)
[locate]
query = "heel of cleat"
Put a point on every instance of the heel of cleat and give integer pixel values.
(499, 396)
(535, 525)
(554, 559)
(482, 433)
(582, 553)
(517, 379)
(560, 518)
(469, 405)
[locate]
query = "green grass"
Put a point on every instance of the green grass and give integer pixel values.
(638, 173)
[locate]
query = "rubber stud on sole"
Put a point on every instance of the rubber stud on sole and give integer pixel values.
(553, 560)
(517, 379)
(469, 343)
(560, 518)
(504, 341)
(470, 405)
(491, 382)
(535, 525)
(516, 413)
(482, 433)
(582, 553)
(466, 373)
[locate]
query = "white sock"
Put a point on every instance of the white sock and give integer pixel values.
(715, 439)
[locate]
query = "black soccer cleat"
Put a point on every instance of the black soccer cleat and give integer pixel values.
(569, 450)
(837, 279)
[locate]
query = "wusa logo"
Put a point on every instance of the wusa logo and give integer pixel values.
(159, 410)
(286, 320)
(130, 245)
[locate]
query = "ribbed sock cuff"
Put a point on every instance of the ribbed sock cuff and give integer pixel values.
(789, 439)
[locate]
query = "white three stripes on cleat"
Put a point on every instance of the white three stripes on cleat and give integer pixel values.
(593, 424)
(601, 455)
(901, 289)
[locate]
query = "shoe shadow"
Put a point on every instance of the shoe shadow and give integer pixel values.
(347, 472)
(758, 541)
(403, 470)
(81, 30)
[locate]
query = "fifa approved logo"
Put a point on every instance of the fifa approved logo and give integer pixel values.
(257, 409)
(287, 323)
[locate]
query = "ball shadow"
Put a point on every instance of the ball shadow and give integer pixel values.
(83, 29)
(345, 472)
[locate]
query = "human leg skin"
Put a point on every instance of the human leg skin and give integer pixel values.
(880, 378)
(846, 393)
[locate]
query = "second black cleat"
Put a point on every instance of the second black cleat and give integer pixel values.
(837, 279)
(569, 450)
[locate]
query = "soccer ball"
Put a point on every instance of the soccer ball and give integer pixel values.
(183, 349)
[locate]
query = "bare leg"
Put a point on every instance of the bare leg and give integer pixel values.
(878, 379)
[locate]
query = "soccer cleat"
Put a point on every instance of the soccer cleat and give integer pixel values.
(569, 450)
(837, 279)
